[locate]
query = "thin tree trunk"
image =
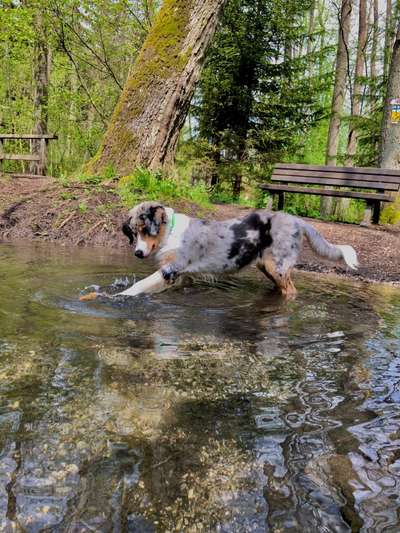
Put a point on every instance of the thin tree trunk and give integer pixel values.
(374, 52)
(288, 52)
(91, 115)
(389, 156)
(388, 38)
(322, 30)
(152, 108)
(311, 28)
(358, 84)
(342, 204)
(237, 184)
(216, 141)
(72, 115)
(340, 82)
(42, 62)
(339, 90)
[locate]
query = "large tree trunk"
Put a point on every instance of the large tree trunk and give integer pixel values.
(339, 90)
(145, 126)
(389, 156)
(42, 61)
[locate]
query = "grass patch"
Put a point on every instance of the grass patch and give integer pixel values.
(144, 184)
(106, 208)
(391, 212)
(83, 208)
(66, 195)
(224, 197)
(92, 180)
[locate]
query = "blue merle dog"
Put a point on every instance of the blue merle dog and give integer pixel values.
(181, 244)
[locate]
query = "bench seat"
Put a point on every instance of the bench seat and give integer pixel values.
(329, 192)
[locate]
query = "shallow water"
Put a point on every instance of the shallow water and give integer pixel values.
(215, 407)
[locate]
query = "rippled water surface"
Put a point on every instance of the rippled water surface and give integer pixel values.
(215, 407)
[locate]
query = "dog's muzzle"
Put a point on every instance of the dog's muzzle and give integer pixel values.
(139, 253)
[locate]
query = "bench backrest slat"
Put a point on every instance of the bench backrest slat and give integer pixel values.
(382, 172)
(336, 181)
(20, 157)
(27, 136)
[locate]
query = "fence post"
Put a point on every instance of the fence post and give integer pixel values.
(42, 167)
(1, 154)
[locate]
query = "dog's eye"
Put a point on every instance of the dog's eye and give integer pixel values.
(145, 231)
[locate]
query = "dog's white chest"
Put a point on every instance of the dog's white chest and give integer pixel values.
(175, 238)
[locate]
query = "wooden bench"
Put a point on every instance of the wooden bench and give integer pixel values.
(38, 145)
(375, 185)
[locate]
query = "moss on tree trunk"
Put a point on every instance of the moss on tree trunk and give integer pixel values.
(152, 108)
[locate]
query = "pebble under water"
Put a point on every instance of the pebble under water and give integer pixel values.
(217, 407)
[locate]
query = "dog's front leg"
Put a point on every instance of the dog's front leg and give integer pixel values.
(157, 282)
(154, 283)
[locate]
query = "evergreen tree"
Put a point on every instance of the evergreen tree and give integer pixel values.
(257, 95)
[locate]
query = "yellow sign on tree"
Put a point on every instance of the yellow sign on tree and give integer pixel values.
(395, 110)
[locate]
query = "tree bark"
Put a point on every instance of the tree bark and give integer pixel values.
(42, 61)
(339, 90)
(145, 126)
(389, 156)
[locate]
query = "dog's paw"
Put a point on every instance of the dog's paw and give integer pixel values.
(169, 274)
(89, 296)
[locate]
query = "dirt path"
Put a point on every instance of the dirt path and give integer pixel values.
(81, 215)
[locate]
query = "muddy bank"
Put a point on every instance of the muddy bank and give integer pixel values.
(82, 215)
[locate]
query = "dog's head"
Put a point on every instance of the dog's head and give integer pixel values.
(145, 227)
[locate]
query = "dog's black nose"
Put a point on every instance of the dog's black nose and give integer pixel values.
(139, 254)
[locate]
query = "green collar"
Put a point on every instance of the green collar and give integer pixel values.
(173, 221)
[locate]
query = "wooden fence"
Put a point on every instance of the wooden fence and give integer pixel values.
(38, 156)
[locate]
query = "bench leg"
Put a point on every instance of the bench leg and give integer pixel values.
(366, 221)
(281, 200)
(371, 213)
(268, 205)
(376, 212)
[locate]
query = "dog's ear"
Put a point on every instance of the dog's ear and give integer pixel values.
(160, 215)
(127, 230)
(157, 216)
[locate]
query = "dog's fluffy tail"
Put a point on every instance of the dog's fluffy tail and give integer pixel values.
(333, 252)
